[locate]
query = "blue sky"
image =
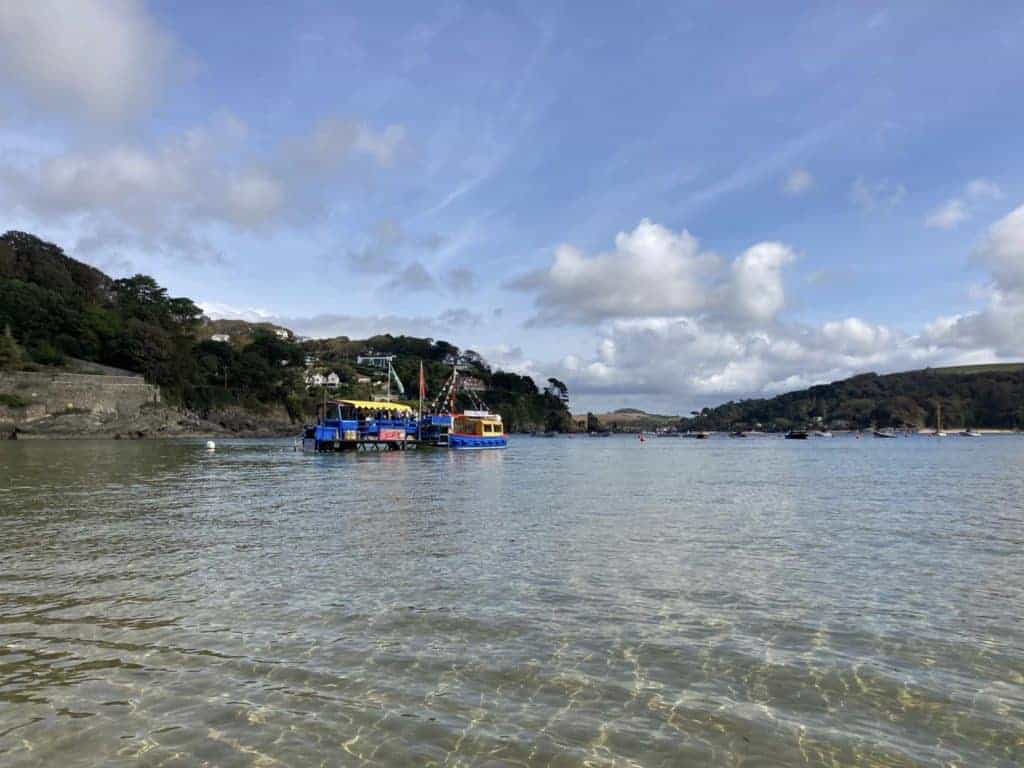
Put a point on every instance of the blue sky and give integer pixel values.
(666, 205)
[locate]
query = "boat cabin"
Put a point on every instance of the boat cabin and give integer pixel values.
(477, 429)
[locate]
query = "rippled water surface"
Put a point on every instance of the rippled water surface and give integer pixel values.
(567, 602)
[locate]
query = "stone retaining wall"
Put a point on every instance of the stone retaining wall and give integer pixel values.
(53, 393)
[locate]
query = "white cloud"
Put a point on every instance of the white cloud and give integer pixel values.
(655, 272)
(756, 289)
(732, 343)
(798, 181)
(102, 58)
(217, 310)
(167, 194)
(253, 197)
(959, 209)
(948, 215)
(652, 271)
(876, 196)
(979, 189)
(1002, 252)
(333, 141)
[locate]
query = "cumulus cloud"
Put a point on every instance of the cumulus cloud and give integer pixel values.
(654, 271)
(733, 342)
(1002, 253)
(997, 328)
(956, 210)
(677, 362)
(99, 58)
(755, 290)
(155, 194)
(797, 182)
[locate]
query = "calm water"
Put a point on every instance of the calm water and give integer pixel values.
(567, 602)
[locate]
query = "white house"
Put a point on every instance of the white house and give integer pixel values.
(221, 337)
(282, 333)
(315, 380)
(332, 380)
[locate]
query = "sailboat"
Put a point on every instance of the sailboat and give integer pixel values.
(938, 421)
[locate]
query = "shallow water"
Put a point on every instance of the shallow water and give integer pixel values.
(566, 602)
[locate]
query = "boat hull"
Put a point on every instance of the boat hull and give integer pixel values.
(459, 442)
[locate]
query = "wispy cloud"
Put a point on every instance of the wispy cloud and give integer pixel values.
(881, 195)
(957, 210)
(798, 181)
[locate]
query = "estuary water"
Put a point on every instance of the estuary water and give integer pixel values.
(567, 602)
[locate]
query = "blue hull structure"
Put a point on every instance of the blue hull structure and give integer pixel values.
(361, 425)
(459, 442)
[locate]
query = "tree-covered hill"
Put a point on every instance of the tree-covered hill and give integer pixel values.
(54, 309)
(982, 396)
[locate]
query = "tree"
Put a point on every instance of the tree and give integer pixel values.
(558, 389)
(10, 354)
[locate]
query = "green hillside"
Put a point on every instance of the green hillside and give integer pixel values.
(983, 396)
(55, 310)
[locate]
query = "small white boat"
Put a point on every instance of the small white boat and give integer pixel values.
(938, 422)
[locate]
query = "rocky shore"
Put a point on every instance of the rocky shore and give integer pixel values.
(153, 422)
(64, 405)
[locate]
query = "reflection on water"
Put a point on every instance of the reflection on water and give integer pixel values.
(564, 603)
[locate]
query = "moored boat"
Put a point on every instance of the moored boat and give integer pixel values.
(477, 430)
(797, 434)
(350, 424)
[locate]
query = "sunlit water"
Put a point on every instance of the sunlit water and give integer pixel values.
(567, 602)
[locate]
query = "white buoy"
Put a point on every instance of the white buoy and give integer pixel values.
(210, 445)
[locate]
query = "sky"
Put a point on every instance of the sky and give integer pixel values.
(667, 206)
